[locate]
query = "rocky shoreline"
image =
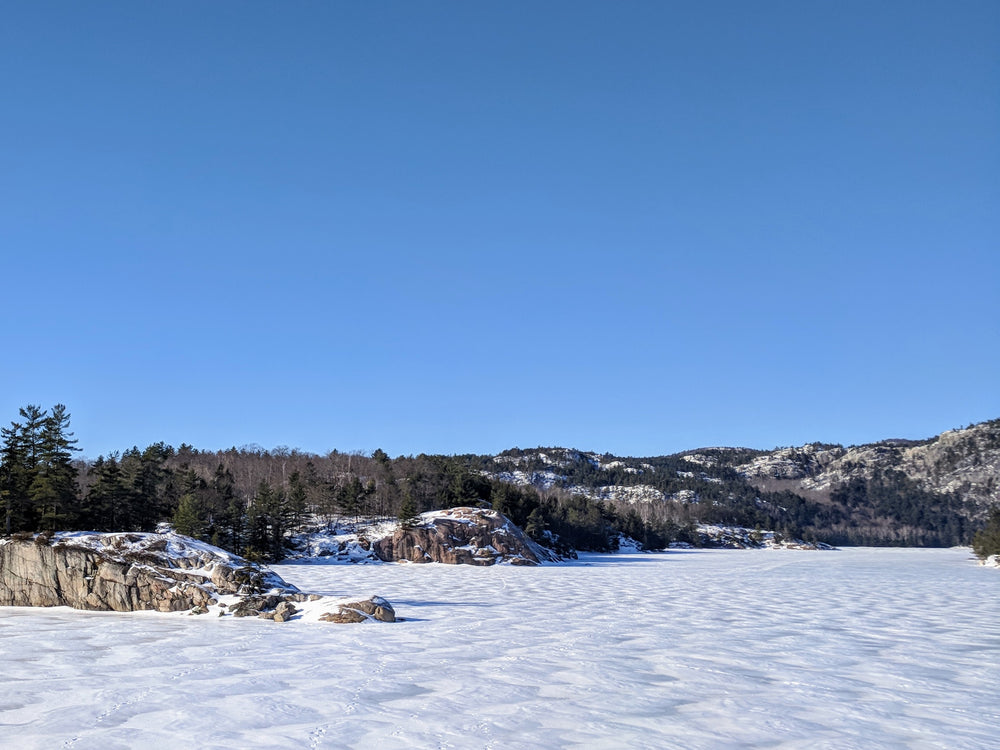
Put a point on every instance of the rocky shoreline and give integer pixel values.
(168, 572)
(130, 572)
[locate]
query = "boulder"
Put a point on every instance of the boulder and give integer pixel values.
(471, 536)
(375, 608)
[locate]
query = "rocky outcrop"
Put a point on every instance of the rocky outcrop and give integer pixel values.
(163, 572)
(470, 536)
(125, 573)
(736, 537)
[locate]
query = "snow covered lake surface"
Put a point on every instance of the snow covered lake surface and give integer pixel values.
(857, 648)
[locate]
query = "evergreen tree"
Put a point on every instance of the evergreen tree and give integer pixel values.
(110, 501)
(297, 499)
(266, 524)
(226, 512)
(188, 519)
(987, 541)
(534, 527)
(408, 516)
(15, 478)
(20, 458)
(53, 490)
(31, 432)
(152, 485)
(350, 498)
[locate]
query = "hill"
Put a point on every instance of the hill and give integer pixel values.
(932, 492)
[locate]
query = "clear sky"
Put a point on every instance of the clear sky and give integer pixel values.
(453, 227)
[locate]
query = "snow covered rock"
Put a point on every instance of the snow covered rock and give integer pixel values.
(126, 572)
(375, 608)
(342, 542)
(471, 536)
(737, 537)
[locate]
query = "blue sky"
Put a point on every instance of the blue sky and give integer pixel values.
(632, 227)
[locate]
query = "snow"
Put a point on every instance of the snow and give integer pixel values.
(165, 548)
(858, 648)
(542, 479)
(623, 466)
(175, 546)
(684, 496)
(634, 493)
(341, 542)
(698, 458)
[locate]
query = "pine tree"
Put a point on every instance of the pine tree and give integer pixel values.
(349, 498)
(297, 499)
(987, 541)
(37, 476)
(15, 478)
(188, 518)
(109, 503)
(151, 482)
(534, 527)
(226, 512)
(408, 516)
(53, 491)
(20, 458)
(31, 433)
(267, 520)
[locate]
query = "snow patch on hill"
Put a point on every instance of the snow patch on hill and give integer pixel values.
(639, 493)
(543, 480)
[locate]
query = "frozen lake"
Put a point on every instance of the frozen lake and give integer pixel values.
(858, 648)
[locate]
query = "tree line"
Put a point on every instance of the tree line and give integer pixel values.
(249, 499)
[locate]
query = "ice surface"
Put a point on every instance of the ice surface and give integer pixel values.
(856, 648)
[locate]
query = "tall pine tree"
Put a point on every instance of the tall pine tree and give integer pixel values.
(53, 490)
(15, 478)
(37, 477)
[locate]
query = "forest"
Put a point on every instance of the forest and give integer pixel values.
(249, 499)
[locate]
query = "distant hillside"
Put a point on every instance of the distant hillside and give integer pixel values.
(931, 492)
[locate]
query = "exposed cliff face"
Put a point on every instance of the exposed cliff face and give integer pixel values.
(471, 536)
(965, 462)
(124, 573)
